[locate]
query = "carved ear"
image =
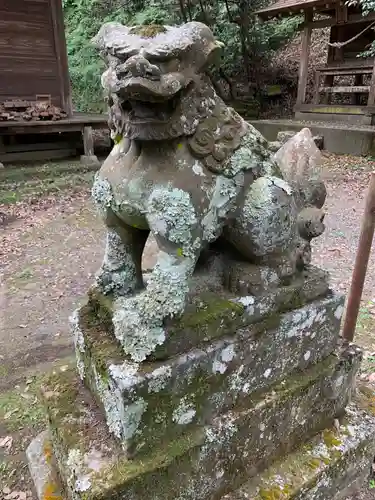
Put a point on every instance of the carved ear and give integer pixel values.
(207, 49)
(214, 54)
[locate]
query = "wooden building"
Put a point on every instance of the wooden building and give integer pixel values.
(344, 87)
(33, 58)
(34, 67)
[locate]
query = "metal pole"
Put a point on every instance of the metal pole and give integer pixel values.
(361, 262)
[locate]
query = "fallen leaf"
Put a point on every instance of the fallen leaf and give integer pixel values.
(6, 442)
(10, 413)
(26, 396)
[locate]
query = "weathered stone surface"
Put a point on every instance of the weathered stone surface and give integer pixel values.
(190, 170)
(212, 312)
(189, 390)
(274, 146)
(325, 468)
(43, 468)
(284, 135)
(207, 462)
(301, 163)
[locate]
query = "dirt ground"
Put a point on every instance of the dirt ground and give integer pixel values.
(49, 252)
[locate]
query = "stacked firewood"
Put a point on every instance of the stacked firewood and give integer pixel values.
(29, 111)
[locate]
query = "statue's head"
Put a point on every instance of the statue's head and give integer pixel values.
(153, 77)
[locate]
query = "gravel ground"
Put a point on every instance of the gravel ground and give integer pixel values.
(48, 257)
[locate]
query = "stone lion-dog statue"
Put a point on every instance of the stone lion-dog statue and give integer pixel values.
(188, 169)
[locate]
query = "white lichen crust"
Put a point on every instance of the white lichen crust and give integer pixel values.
(79, 342)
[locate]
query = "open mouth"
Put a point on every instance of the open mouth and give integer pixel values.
(150, 110)
(145, 109)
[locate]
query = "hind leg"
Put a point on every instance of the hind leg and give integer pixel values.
(265, 229)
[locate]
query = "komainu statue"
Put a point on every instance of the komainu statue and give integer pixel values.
(189, 170)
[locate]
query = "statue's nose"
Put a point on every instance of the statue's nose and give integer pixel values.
(138, 67)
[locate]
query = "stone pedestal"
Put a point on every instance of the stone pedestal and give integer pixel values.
(239, 404)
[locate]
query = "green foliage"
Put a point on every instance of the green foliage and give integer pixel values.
(367, 6)
(247, 44)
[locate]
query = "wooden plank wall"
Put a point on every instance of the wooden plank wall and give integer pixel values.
(28, 60)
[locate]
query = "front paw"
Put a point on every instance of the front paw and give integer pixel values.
(116, 282)
(136, 328)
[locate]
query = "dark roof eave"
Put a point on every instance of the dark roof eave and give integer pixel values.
(295, 9)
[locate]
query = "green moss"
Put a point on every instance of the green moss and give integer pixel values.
(330, 439)
(98, 311)
(148, 31)
(210, 311)
(209, 317)
(101, 346)
(274, 493)
(59, 397)
(314, 463)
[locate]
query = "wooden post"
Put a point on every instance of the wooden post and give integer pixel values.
(61, 55)
(88, 146)
(88, 141)
(304, 64)
(316, 97)
(371, 95)
(329, 79)
(358, 82)
(360, 265)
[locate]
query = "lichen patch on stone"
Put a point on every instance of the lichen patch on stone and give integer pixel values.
(184, 413)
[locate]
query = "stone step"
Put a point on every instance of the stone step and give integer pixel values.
(331, 466)
(206, 462)
(170, 397)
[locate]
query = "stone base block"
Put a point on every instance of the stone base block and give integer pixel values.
(330, 466)
(43, 468)
(90, 160)
(213, 312)
(205, 462)
(168, 398)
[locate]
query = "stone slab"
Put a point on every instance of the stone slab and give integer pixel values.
(330, 466)
(42, 467)
(192, 389)
(340, 138)
(212, 311)
(208, 461)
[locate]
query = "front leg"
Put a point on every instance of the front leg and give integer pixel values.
(139, 320)
(121, 271)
